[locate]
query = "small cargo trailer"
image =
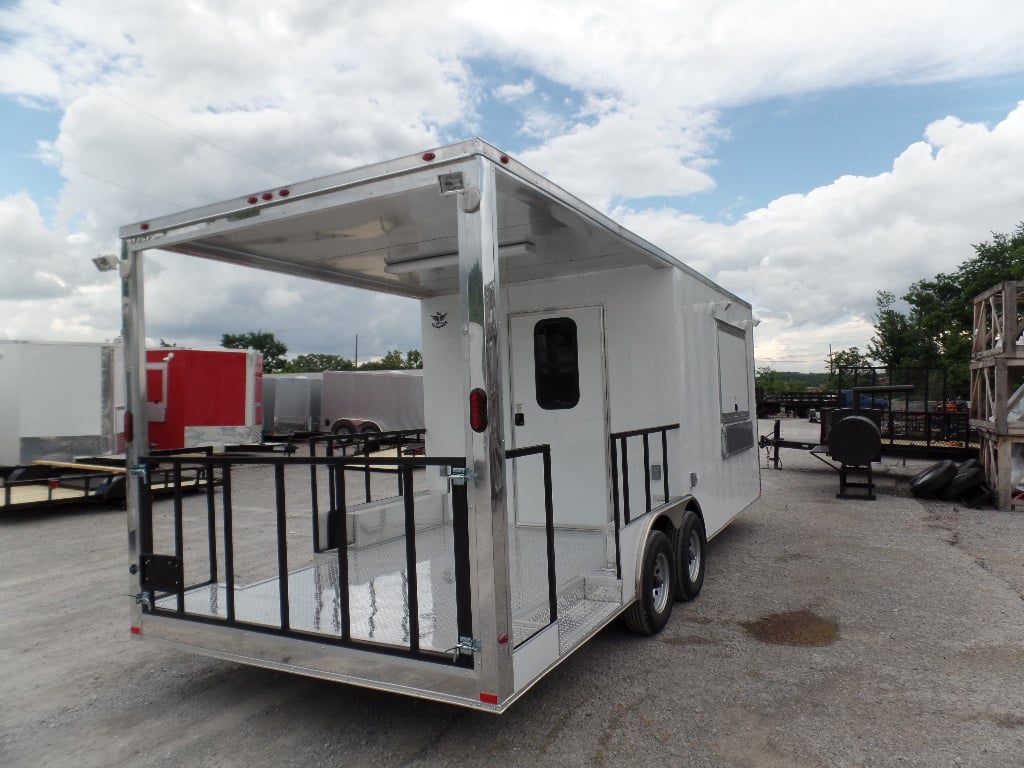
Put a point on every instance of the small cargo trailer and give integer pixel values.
(362, 402)
(589, 411)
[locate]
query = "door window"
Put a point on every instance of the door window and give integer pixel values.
(556, 363)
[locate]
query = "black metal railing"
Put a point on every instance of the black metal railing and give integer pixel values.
(403, 442)
(163, 576)
(620, 470)
(544, 451)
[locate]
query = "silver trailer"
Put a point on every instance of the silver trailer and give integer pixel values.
(588, 404)
(355, 402)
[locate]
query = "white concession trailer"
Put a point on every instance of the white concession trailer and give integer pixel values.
(589, 413)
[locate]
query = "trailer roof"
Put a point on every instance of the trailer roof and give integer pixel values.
(387, 227)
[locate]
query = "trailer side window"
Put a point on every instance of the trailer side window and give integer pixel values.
(556, 363)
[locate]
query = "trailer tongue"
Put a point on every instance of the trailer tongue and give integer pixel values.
(589, 413)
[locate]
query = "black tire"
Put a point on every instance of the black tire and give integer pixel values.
(966, 480)
(653, 606)
(689, 545)
(341, 429)
(933, 479)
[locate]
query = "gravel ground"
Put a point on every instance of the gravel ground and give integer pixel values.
(830, 632)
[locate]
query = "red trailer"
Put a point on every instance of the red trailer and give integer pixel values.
(200, 397)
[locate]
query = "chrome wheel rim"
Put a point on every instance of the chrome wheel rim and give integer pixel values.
(693, 556)
(660, 588)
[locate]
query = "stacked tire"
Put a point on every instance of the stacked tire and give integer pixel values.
(950, 480)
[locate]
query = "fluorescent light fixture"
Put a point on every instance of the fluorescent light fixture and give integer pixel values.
(442, 260)
(439, 261)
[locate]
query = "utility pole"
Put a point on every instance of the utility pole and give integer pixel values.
(357, 350)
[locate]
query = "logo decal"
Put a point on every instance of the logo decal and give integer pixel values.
(440, 319)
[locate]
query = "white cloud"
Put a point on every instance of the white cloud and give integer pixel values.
(168, 106)
(817, 260)
(513, 91)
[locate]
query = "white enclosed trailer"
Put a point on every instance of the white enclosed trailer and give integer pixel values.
(589, 409)
(58, 400)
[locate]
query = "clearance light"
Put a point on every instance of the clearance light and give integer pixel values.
(284, 192)
(252, 199)
(267, 195)
(136, 630)
(488, 698)
(428, 156)
(478, 410)
(505, 159)
(144, 226)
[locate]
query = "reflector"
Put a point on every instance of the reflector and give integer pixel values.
(478, 410)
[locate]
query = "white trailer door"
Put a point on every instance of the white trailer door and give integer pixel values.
(557, 391)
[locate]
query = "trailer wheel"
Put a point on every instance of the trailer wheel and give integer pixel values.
(341, 429)
(689, 543)
(653, 606)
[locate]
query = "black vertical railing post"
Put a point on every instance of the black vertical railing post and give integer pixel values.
(338, 522)
(145, 511)
(399, 439)
(229, 541)
(366, 469)
(211, 525)
(179, 535)
(463, 584)
(615, 506)
(549, 526)
(410, 563)
(777, 434)
(282, 546)
(625, 482)
(647, 473)
(314, 500)
(664, 461)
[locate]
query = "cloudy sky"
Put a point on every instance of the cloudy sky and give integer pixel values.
(803, 153)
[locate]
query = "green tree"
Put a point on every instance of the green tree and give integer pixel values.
(942, 309)
(413, 359)
(315, 362)
(267, 344)
(845, 360)
(393, 360)
(896, 343)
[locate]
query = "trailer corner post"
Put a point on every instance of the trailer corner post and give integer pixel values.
(133, 332)
(482, 313)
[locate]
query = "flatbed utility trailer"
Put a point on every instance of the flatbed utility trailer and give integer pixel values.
(589, 412)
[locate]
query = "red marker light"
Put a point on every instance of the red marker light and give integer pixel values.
(284, 192)
(136, 630)
(144, 226)
(505, 159)
(428, 156)
(267, 195)
(489, 698)
(478, 410)
(252, 199)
